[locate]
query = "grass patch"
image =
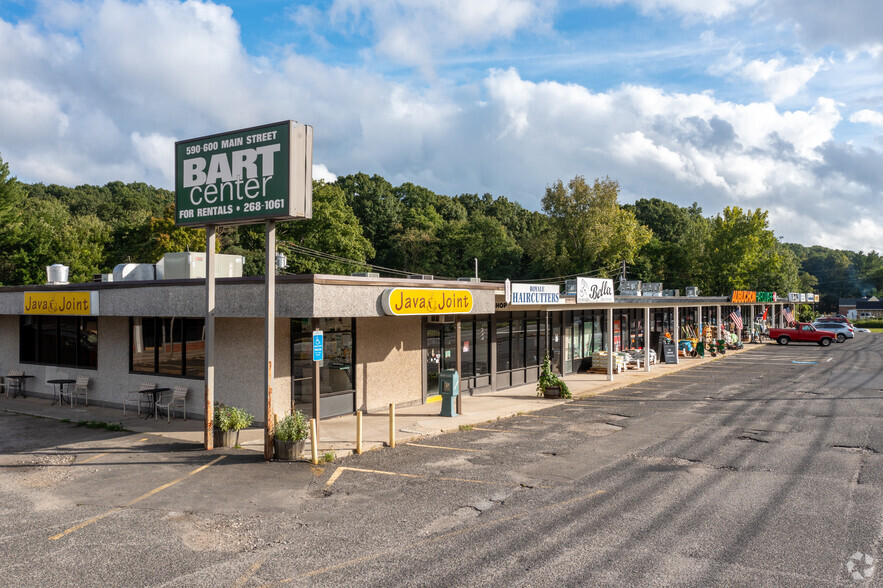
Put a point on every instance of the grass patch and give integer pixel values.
(328, 457)
(465, 427)
(100, 425)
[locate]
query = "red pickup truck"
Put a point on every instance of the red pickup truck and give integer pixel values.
(804, 333)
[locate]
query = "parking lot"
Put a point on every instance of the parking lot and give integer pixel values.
(763, 468)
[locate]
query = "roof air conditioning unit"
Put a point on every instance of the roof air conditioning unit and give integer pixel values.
(365, 275)
(420, 277)
(692, 291)
(473, 280)
(570, 287)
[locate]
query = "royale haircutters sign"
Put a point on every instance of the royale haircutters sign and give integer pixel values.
(594, 290)
(245, 176)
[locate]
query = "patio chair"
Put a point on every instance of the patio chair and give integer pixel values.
(137, 398)
(178, 398)
(81, 389)
(12, 383)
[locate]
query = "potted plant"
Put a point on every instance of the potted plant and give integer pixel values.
(289, 436)
(228, 420)
(550, 385)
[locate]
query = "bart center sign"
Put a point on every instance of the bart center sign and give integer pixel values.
(245, 176)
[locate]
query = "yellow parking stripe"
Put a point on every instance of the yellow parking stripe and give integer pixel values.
(440, 447)
(491, 430)
(135, 501)
(341, 469)
(90, 459)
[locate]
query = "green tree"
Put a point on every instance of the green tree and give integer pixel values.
(742, 253)
(11, 198)
(334, 229)
(589, 229)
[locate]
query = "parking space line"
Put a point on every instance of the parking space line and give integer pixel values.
(440, 447)
(250, 572)
(341, 469)
(491, 430)
(87, 460)
(135, 501)
(445, 536)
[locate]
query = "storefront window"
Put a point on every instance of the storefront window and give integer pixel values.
(337, 370)
(503, 363)
(482, 348)
(518, 343)
(159, 346)
(60, 341)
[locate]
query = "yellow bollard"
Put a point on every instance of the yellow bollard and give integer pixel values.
(392, 425)
(314, 441)
(358, 432)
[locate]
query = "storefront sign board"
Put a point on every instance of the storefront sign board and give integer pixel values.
(536, 294)
(748, 296)
(245, 176)
(594, 290)
(426, 301)
(62, 303)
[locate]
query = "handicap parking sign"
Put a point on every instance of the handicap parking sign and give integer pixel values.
(318, 346)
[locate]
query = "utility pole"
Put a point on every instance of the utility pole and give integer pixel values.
(622, 279)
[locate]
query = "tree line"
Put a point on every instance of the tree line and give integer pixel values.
(364, 223)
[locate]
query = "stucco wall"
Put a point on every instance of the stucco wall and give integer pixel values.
(239, 365)
(389, 362)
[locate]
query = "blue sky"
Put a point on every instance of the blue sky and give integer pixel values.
(776, 104)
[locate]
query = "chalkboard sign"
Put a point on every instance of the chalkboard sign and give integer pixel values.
(670, 351)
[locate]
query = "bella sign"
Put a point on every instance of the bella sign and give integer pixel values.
(245, 176)
(420, 301)
(68, 303)
(594, 290)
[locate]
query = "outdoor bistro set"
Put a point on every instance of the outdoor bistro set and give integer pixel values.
(148, 396)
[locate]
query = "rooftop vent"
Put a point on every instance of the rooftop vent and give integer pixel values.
(57, 274)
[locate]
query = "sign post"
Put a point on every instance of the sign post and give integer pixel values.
(243, 177)
(318, 357)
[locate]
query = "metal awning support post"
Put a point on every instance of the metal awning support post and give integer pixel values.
(209, 441)
(459, 360)
(610, 344)
(269, 336)
(646, 338)
(720, 328)
(677, 334)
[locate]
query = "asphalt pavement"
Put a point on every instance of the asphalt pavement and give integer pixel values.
(758, 469)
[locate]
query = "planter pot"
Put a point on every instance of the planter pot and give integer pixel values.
(288, 450)
(552, 392)
(226, 438)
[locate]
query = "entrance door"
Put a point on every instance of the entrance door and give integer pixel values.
(337, 394)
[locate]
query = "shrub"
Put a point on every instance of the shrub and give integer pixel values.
(293, 427)
(230, 418)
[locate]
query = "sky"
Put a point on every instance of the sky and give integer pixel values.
(771, 104)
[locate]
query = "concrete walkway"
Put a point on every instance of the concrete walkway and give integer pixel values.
(338, 434)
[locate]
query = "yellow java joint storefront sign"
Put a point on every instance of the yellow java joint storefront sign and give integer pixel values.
(69, 303)
(418, 301)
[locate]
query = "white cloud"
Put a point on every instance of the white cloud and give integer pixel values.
(320, 172)
(871, 117)
(704, 9)
(780, 81)
(416, 32)
(105, 99)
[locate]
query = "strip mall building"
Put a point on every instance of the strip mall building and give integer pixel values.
(385, 340)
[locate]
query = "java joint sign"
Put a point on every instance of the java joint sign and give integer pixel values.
(245, 176)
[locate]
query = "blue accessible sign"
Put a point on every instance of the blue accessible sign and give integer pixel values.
(318, 346)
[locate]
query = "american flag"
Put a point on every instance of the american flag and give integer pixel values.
(786, 312)
(736, 315)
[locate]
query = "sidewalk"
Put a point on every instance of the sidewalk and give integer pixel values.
(338, 434)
